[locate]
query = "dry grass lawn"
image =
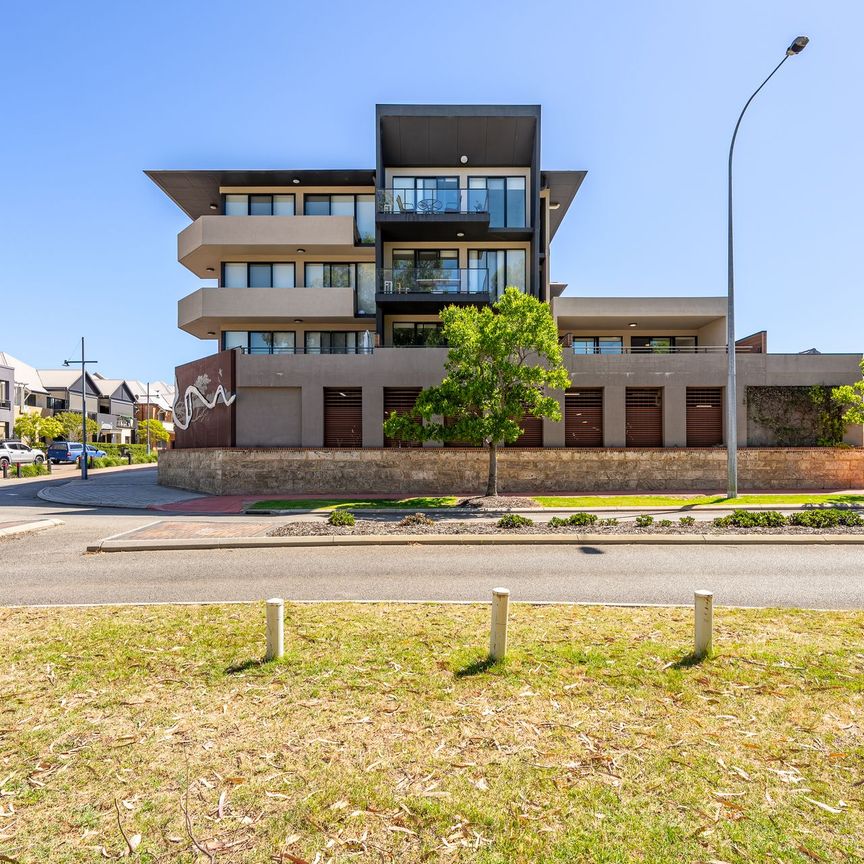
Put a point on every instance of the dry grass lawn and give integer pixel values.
(155, 734)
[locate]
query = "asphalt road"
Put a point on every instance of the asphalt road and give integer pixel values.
(51, 567)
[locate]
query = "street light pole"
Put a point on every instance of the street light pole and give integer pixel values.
(148, 417)
(796, 47)
(83, 407)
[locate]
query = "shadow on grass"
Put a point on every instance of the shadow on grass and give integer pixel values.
(477, 667)
(690, 660)
(246, 665)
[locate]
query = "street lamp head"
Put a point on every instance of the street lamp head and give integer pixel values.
(65, 362)
(797, 46)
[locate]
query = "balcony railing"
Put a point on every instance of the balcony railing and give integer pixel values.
(433, 202)
(333, 349)
(433, 280)
(607, 350)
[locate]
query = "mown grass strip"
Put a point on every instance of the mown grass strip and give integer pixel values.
(797, 499)
(430, 503)
(384, 733)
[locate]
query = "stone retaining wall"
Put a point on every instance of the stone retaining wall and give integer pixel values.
(435, 470)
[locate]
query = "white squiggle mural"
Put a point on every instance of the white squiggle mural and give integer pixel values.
(188, 414)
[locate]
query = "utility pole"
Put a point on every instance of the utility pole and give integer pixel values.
(83, 406)
(147, 408)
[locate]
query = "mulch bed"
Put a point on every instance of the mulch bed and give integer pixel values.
(498, 502)
(366, 527)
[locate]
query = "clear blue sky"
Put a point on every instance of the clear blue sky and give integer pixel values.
(643, 95)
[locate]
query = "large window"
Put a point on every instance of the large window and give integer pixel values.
(330, 275)
(662, 344)
(338, 342)
(258, 275)
(495, 270)
(598, 345)
(506, 197)
(427, 194)
(259, 205)
(360, 207)
(417, 333)
(259, 341)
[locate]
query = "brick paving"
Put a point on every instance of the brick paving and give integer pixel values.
(195, 530)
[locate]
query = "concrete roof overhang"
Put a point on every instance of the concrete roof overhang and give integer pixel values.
(606, 313)
(194, 191)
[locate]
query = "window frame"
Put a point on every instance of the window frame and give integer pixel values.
(247, 348)
(249, 195)
(247, 264)
(506, 177)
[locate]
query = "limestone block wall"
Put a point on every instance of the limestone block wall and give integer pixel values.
(263, 471)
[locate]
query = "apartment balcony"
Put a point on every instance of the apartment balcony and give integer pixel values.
(209, 240)
(429, 289)
(5, 405)
(207, 310)
(441, 214)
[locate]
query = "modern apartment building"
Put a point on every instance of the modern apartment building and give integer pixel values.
(7, 396)
(329, 283)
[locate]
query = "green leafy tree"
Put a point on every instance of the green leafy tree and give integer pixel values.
(851, 398)
(71, 423)
(33, 427)
(157, 431)
(501, 364)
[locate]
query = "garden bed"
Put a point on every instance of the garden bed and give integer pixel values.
(447, 526)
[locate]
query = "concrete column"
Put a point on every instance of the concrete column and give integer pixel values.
(553, 433)
(373, 416)
(614, 416)
(674, 416)
(312, 416)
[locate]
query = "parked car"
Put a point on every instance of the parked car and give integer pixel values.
(13, 452)
(70, 451)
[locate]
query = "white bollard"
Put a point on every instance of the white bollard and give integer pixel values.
(498, 631)
(275, 628)
(703, 623)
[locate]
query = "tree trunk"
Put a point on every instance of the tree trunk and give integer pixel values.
(492, 484)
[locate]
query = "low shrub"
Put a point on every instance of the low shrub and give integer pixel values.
(610, 522)
(514, 520)
(751, 519)
(341, 519)
(826, 518)
(582, 519)
(31, 470)
(142, 459)
(558, 522)
(121, 449)
(108, 462)
(687, 520)
(416, 519)
(664, 523)
(644, 520)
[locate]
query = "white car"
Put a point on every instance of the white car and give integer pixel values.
(13, 452)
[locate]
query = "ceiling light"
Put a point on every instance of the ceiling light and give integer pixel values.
(460, 233)
(554, 205)
(301, 251)
(296, 180)
(211, 332)
(214, 206)
(632, 324)
(463, 160)
(211, 269)
(298, 320)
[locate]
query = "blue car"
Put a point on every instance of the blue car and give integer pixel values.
(70, 451)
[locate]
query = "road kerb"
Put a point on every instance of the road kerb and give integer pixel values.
(30, 527)
(333, 540)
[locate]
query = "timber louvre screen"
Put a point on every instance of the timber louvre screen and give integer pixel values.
(583, 418)
(644, 413)
(532, 432)
(343, 417)
(704, 416)
(401, 400)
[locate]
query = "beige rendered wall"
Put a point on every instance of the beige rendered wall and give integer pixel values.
(268, 417)
(423, 367)
(463, 471)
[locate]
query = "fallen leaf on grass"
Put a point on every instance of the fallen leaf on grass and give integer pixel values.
(822, 806)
